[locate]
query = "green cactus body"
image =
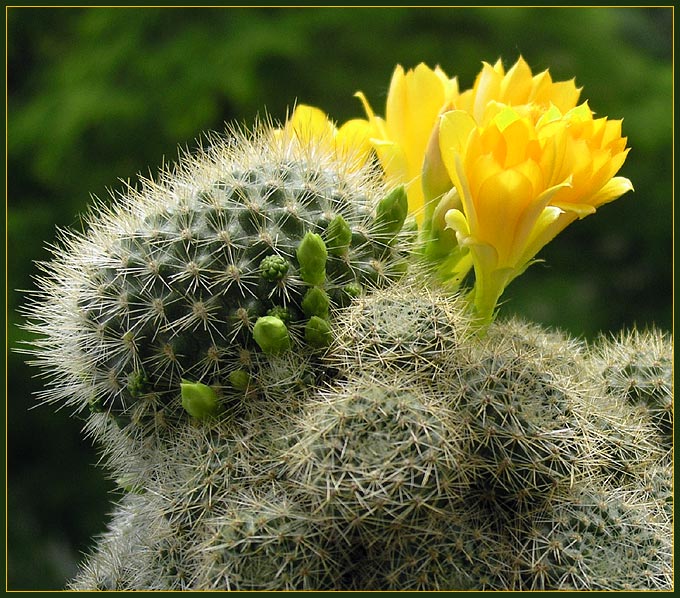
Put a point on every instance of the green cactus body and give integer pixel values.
(170, 282)
(535, 422)
(595, 539)
(501, 469)
(638, 366)
(374, 457)
(404, 328)
(267, 543)
(380, 442)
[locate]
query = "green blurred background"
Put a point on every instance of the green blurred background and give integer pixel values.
(99, 94)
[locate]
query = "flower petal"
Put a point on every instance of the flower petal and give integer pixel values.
(614, 189)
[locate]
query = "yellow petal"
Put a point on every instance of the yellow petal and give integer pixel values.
(455, 127)
(454, 131)
(548, 225)
(487, 87)
(501, 207)
(377, 124)
(393, 161)
(308, 122)
(563, 94)
(614, 189)
(353, 139)
(414, 102)
(517, 83)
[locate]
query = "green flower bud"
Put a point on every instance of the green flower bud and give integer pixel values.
(312, 256)
(391, 213)
(198, 399)
(271, 335)
(338, 236)
(273, 268)
(316, 303)
(137, 384)
(280, 312)
(440, 240)
(240, 379)
(353, 289)
(318, 332)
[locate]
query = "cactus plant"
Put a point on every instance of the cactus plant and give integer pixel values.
(506, 467)
(284, 407)
(596, 539)
(638, 366)
(408, 325)
(235, 254)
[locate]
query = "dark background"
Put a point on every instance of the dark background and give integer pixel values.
(99, 94)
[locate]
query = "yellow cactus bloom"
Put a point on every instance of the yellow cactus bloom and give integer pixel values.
(518, 87)
(522, 175)
(414, 102)
(350, 141)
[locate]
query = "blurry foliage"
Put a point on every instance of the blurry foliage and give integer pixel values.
(98, 94)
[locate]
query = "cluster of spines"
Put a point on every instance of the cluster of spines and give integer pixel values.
(504, 467)
(242, 250)
(593, 538)
(406, 327)
(637, 366)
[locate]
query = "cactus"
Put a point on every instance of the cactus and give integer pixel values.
(375, 453)
(595, 539)
(284, 409)
(535, 422)
(408, 325)
(219, 264)
(638, 366)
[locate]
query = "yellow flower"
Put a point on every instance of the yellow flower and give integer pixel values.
(518, 87)
(311, 127)
(523, 174)
(414, 102)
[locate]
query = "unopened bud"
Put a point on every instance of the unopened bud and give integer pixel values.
(435, 178)
(273, 268)
(391, 213)
(240, 379)
(338, 236)
(271, 335)
(318, 332)
(312, 256)
(316, 303)
(198, 399)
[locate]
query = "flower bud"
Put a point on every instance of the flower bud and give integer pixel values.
(435, 178)
(273, 268)
(318, 332)
(199, 400)
(338, 236)
(312, 256)
(316, 303)
(440, 240)
(271, 335)
(240, 379)
(391, 213)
